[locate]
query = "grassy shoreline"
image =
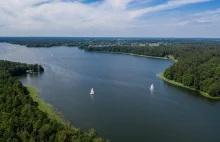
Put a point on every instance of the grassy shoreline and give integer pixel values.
(45, 107)
(164, 58)
(204, 94)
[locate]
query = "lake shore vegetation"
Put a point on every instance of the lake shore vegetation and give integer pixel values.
(26, 118)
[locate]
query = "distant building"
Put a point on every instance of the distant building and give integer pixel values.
(141, 44)
(154, 44)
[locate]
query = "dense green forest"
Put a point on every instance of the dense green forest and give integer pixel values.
(160, 51)
(20, 118)
(197, 70)
(176, 49)
(45, 42)
(16, 69)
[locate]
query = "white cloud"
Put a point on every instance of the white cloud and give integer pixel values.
(210, 17)
(169, 5)
(103, 18)
(119, 4)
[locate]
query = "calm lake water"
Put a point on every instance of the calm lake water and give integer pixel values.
(123, 108)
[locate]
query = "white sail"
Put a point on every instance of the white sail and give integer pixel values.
(92, 92)
(152, 87)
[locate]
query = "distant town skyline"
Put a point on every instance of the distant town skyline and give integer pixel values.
(110, 18)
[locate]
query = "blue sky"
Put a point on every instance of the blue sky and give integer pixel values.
(110, 18)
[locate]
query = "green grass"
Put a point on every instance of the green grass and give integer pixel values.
(172, 58)
(204, 94)
(45, 107)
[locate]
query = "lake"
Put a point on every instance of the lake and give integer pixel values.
(123, 108)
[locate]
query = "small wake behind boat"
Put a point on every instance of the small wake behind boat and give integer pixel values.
(92, 92)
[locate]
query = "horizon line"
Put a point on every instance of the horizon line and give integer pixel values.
(107, 37)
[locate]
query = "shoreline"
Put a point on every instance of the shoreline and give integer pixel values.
(154, 57)
(45, 107)
(202, 93)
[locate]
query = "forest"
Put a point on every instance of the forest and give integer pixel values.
(197, 70)
(17, 69)
(45, 42)
(20, 118)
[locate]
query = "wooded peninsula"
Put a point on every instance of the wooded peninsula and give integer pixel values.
(22, 120)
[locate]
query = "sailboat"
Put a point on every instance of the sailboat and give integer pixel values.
(92, 92)
(151, 87)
